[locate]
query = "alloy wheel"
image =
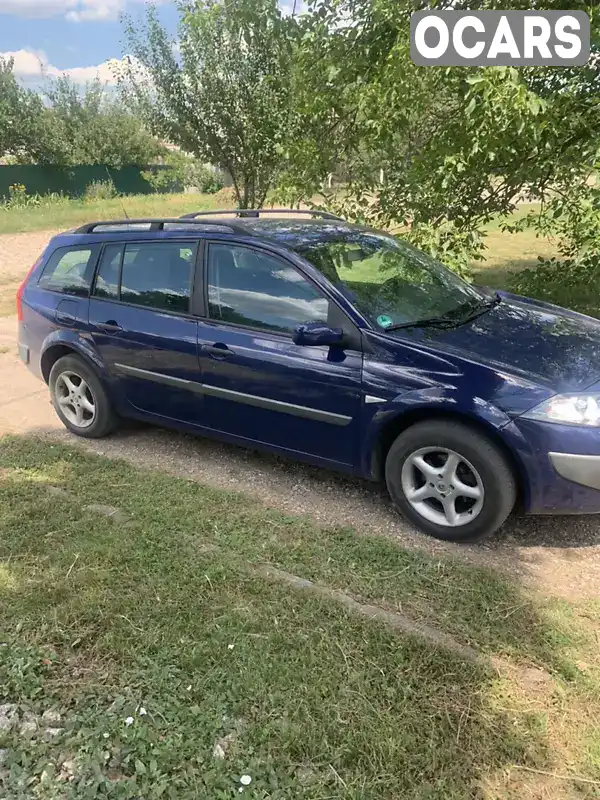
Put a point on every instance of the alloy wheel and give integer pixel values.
(75, 399)
(442, 486)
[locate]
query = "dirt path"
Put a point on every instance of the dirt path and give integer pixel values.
(560, 555)
(18, 252)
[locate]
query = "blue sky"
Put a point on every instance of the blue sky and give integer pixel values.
(77, 36)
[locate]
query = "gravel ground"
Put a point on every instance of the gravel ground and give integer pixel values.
(18, 252)
(560, 555)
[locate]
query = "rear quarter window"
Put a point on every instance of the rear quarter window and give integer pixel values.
(69, 270)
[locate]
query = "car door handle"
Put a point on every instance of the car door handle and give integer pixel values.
(110, 327)
(217, 351)
(65, 319)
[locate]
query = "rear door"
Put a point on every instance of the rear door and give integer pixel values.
(258, 384)
(140, 322)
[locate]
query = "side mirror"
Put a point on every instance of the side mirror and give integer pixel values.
(313, 334)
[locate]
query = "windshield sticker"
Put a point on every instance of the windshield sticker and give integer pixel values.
(384, 321)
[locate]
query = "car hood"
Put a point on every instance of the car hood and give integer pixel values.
(542, 343)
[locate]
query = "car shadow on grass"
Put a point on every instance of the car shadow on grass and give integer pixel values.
(369, 498)
(329, 497)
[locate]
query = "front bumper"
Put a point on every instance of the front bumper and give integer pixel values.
(584, 470)
(561, 467)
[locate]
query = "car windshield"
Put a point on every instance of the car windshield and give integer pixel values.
(390, 282)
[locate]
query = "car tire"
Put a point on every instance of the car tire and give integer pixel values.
(450, 481)
(80, 400)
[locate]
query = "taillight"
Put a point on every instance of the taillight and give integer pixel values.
(21, 289)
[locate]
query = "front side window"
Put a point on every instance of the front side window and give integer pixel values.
(154, 274)
(253, 288)
(389, 281)
(69, 270)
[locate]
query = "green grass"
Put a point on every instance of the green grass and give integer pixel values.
(69, 213)
(165, 608)
(507, 253)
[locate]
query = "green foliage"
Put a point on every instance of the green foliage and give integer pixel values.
(227, 96)
(205, 179)
(457, 145)
(93, 128)
(72, 127)
(100, 190)
(572, 216)
(24, 130)
(165, 181)
(184, 172)
(19, 198)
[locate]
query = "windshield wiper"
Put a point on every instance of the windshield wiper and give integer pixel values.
(431, 322)
(449, 322)
(486, 305)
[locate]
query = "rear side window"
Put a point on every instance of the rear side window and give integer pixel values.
(109, 271)
(70, 270)
(154, 274)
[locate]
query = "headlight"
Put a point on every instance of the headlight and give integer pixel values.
(569, 409)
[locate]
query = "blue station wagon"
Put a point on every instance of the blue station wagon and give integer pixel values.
(305, 335)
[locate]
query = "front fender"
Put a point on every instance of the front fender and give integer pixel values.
(446, 401)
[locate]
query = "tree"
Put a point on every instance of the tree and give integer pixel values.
(73, 126)
(460, 144)
(225, 94)
(24, 134)
(93, 127)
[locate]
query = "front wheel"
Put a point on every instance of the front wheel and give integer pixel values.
(450, 481)
(80, 400)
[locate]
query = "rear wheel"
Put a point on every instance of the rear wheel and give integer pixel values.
(450, 481)
(80, 400)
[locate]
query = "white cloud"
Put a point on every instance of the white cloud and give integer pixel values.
(31, 66)
(36, 8)
(95, 10)
(72, 10)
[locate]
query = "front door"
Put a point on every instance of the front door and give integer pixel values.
(258, 384)
(140, 323)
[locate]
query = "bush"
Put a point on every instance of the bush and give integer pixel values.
(165, 181)
(99, 190)
(18, 197)
(205, 179)
(183, 172)
(572, 283)
(572, 218)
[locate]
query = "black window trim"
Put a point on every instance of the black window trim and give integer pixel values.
(198, 243)
(95, 250)
(354, 334)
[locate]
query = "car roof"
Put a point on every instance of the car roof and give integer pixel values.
(280, 228)
(301, 233)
